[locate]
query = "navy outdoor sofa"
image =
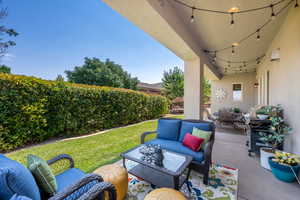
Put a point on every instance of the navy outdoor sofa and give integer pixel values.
(170, 134)
(17, 183)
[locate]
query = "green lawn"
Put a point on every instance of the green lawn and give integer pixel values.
(94, 151)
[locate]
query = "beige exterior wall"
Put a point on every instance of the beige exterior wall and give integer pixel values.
(285, 76)
(249, 92)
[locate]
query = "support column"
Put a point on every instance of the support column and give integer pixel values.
(193, 87)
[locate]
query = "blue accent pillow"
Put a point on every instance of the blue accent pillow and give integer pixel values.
(187, 127)
(16, 179)
(168, 129)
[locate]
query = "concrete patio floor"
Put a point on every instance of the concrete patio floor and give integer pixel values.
(255, 182)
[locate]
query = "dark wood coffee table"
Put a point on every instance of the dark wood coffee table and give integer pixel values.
(171, 175)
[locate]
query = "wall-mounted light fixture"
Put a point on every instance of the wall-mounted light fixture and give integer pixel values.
(275, 55)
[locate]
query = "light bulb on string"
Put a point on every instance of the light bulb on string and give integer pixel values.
(258, 60)
(215, 56)
(244, 64)
(232, 20)
(273, 15)
(192, 18)
(296, 5)
(258, 35)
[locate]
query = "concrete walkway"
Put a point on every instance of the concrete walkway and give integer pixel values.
(255, 182)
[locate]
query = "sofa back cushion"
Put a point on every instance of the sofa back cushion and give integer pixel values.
(187, 127)
(16, 179)
(168, 129)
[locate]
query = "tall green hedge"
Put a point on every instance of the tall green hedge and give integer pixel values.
(33, 110)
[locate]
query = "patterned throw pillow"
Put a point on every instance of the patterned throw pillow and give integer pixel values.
(202, 134)
(42, 174)
(152, 154)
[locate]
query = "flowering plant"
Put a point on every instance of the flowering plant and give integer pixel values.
(285, 158)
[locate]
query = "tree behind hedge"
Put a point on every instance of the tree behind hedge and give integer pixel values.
(173, 85)
(96, 72)
(5, 69)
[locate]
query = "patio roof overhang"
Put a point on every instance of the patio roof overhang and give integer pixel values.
(167, 27)
(168, 22)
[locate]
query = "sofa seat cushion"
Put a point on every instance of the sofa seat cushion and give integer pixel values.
(68, 177)
(177, 147)
(168, 129)
(187, 127)
(16, 179)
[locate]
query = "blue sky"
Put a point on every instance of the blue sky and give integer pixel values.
(55, 35)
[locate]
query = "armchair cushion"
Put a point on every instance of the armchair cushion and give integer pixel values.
(68, 178)
(168, 129)
(187, 127)
(42, 173)
(16, 179)
(177, 147)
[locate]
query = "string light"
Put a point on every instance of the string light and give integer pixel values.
(232, 12)
(258, 35)
(232, 20)
(215, 56)
(236, 11)
(273, 15)
(192, 19)
(232, 50)
(256, 31)
(258, 60)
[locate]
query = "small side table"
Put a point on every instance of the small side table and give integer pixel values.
(117, 175)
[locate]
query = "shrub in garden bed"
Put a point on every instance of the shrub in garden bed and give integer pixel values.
(33, 110)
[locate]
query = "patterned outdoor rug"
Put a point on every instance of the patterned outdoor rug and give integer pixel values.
(223, 185)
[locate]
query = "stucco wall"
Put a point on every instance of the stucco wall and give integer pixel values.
(285, 75)
(249, 92)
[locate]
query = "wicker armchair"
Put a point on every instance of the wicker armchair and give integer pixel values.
(89, 187)
(17, 182)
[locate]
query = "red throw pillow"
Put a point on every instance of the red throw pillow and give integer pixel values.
(192, 142)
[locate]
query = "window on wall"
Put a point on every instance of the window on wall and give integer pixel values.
(237, 92)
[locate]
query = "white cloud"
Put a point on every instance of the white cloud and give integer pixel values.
(8, 57)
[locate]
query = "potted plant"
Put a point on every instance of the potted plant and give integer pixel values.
(263, 113)
(285, 166)
(236, 110)
(274, 137)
